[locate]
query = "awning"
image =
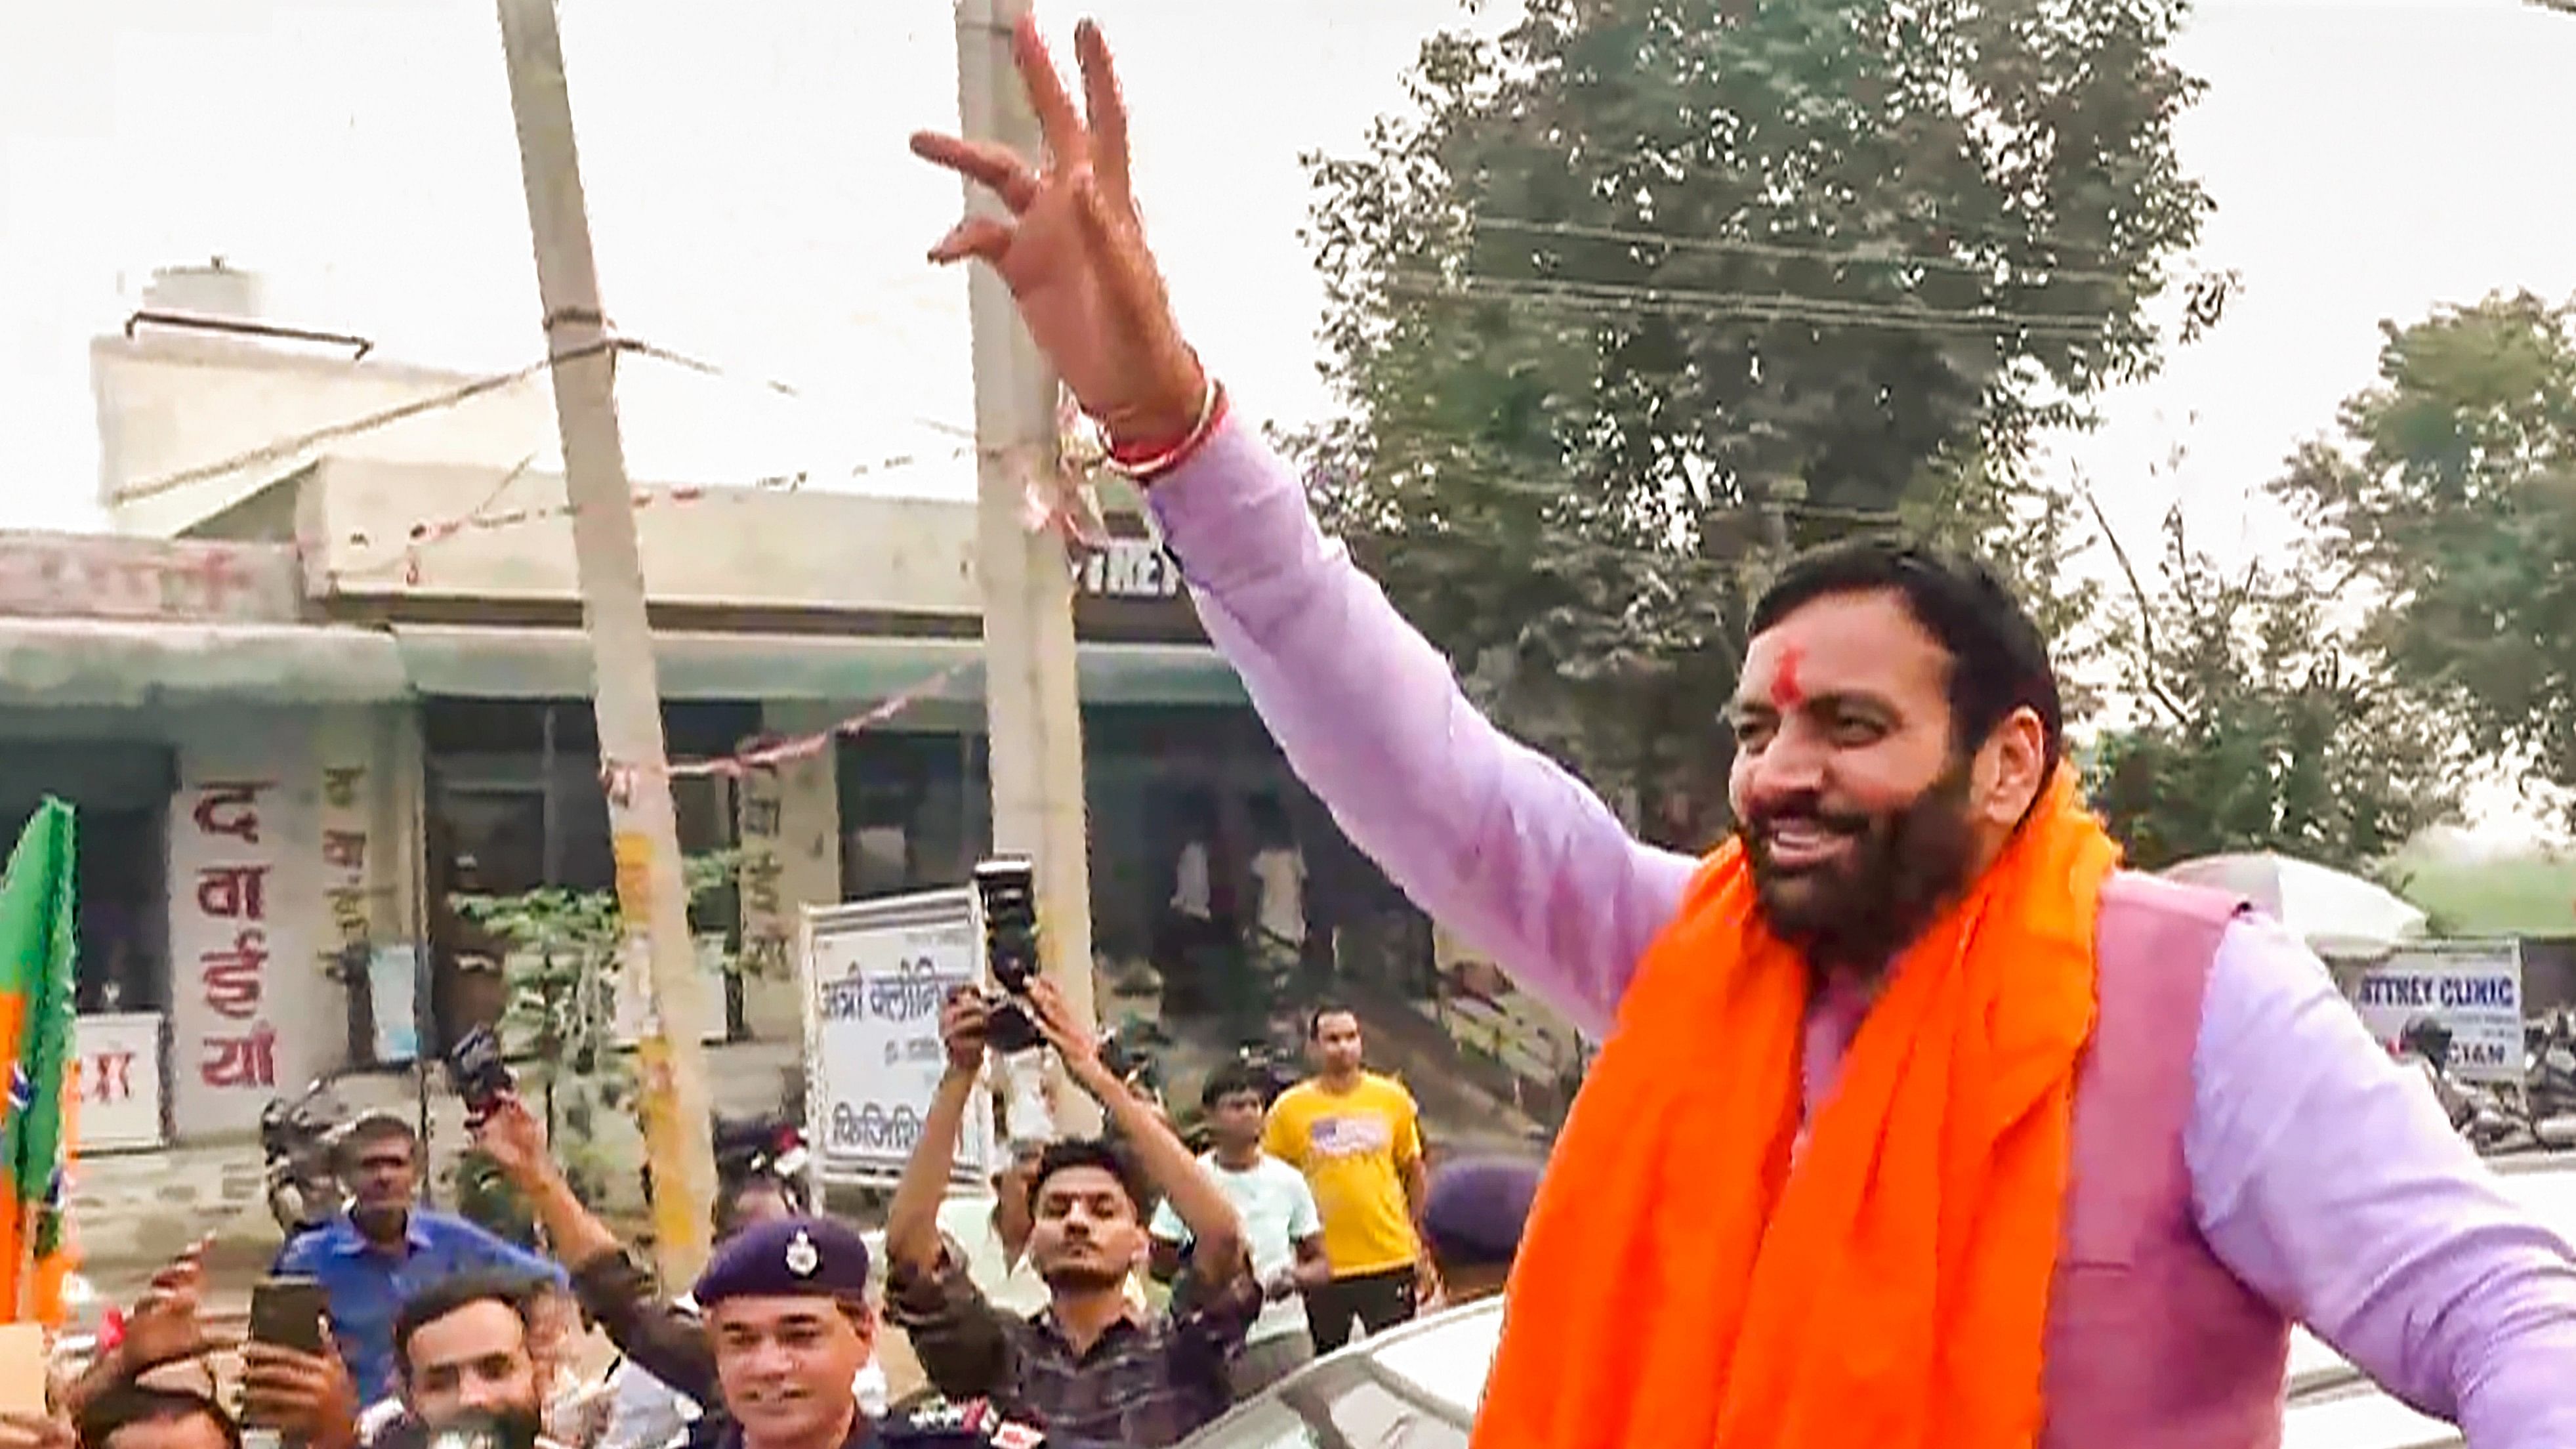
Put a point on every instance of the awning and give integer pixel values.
(488, 663)
(61, 663)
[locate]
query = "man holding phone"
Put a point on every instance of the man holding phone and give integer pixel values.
(462, 1351)
(385, 1247)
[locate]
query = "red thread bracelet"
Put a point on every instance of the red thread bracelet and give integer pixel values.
(1145, 463)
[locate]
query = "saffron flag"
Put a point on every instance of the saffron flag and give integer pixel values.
(38, 949)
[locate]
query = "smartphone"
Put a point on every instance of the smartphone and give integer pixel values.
(289, 1313)
(23, 1368)
(478, 1073)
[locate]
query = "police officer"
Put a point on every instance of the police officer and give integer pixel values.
(787, 1316)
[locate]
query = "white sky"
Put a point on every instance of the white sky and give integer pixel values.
(753, 204)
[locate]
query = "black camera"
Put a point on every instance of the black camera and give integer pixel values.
(1006, 892)
(477, 1072)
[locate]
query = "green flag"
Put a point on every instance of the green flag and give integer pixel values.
(39, 946)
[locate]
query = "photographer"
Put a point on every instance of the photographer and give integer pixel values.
(1090, 1364)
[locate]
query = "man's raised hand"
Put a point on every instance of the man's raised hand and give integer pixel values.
(1068, 244)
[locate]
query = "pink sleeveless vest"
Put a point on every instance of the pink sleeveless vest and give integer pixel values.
(2152, 1343)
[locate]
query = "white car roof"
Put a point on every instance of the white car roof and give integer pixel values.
(1447, 1358)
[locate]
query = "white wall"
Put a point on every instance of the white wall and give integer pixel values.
(169, 404)
(330, 826)
(735, 546)
(250, 1013)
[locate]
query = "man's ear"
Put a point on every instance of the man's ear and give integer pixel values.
(2011, 770)
(863, 1320)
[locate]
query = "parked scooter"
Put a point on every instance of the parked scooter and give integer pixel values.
(298, 1138)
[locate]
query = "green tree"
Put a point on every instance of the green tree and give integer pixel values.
(2451, 497)
(1652, 291)
(562, 972)
(2258, 729)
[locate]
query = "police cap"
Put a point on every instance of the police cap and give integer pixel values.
(1477, 1208)
(800, 1257)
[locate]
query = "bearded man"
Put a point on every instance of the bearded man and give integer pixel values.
(1921, 1123)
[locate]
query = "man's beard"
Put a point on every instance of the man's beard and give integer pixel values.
(1903, 868)
(1081, 1278)
(515, 1427)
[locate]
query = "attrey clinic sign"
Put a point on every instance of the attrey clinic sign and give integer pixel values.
(2471, 988)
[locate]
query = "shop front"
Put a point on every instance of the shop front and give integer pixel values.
(169, 692)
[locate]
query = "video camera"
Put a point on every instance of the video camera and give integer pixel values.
(479, 1073)
(1006, 896)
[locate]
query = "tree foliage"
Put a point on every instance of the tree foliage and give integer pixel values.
(2259, 728)
(562, 969)
(2451, 496)
(1652, 291)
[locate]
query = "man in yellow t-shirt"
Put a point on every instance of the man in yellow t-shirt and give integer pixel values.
(1358, 1139)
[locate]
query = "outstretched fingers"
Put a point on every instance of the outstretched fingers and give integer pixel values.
(1106, 108)
(996, 168)
(1068, 144)
(977, 236)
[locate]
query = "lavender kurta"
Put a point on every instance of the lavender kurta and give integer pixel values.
(2322, 1175)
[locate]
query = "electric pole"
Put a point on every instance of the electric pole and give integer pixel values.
(1032, 695)
(651, 893)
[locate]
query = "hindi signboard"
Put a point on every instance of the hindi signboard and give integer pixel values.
(875, 974)
(2473, 988)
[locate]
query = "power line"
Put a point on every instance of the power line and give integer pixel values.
(1786, 251)
(1623, 291)
(1598, 299)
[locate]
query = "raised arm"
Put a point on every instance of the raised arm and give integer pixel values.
(612, 1286)
(2325, 1176)
(912, 1238)
(1214, 1227)
(1492, 838)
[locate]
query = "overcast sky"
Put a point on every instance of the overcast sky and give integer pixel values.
(753, 204)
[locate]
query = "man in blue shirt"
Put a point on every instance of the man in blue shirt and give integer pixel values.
(385, 1248)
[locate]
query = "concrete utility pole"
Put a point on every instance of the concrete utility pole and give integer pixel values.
(1032, 697)
(651, 893)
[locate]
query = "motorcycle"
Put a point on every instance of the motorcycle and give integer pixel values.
(771, 1145)
(2494, 1125)
(299, 1138)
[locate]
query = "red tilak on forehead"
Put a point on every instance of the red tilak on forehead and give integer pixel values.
(1786, 695)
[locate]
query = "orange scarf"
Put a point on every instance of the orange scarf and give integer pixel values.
(1681, 1284)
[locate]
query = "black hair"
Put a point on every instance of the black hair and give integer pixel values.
(1233, 1079)
(1066, 1154)
(129, 1404)
(378, 1127)
(454, 1294)
(726, 1216)
(1315, 1018)
(1998, 658)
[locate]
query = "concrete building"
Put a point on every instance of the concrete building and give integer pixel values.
(400, 709)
